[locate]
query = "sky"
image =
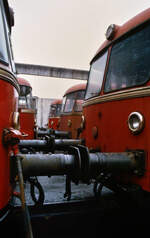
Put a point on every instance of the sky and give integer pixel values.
(64, 33)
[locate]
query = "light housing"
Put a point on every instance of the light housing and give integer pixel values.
(110, 32)
(82, 125)
(69, 123)
(16, 120)
(136, 122)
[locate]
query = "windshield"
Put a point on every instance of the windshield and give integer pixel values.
(129, 63)
(55, 110)
(72, 101)
(25, 90)
(79, 100)
(63, 104)
(96, 77)
(26, 102)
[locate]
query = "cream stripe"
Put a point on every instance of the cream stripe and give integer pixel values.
(121, 95)
(10, 78)
(25, 110)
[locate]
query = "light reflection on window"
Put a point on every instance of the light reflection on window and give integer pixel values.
(96, 77)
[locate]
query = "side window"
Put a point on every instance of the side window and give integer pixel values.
(9, 43)
(3, 44)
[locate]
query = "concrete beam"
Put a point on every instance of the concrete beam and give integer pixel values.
(49, 71)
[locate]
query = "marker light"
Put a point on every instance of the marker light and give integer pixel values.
(110, 32)
(136, 122)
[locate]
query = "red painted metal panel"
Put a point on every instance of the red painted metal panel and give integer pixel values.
(8, 105)
(27, 122)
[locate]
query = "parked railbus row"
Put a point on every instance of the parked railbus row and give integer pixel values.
(109, 146)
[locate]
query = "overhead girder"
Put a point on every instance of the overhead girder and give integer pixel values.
(49, 71)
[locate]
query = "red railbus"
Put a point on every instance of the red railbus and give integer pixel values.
(117, 100)
(27, 109)
(9, 116)
(71, 111)
(54, 114)
(113, 150)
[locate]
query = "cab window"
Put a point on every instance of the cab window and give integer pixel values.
(129, 63)
(3, 46)
(96, 76)
(63, 104)
(79, 100)
(78, 105)
(70, 100)
(58, 110)
(55, 110)
(26, 102)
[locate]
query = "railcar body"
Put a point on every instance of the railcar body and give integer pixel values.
(27, 109)
(71, 112)
(116, 107)
(54, 115)
(8, 103)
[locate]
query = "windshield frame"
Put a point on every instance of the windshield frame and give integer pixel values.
(73, 96)
(127, 35)
(57, 110)
(100, 86)
(5, 59)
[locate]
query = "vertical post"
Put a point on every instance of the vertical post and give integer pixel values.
(25, 210)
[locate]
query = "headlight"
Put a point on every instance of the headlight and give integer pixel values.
(69, 123)
(82, 125)
(16, 120)
(136, 122)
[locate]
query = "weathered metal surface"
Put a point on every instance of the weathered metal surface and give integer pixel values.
(49, 144)
(48, 132)
(47, 164)
(65, 164)
(49, 71)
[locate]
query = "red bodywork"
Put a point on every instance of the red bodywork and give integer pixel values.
(8, 105)
(54, 116)
(106, 115)
(27, 122)
(71, 121)
(27, 114)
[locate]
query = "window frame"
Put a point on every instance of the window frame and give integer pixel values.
(8, 43)
(106, 51)
(120, 39)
